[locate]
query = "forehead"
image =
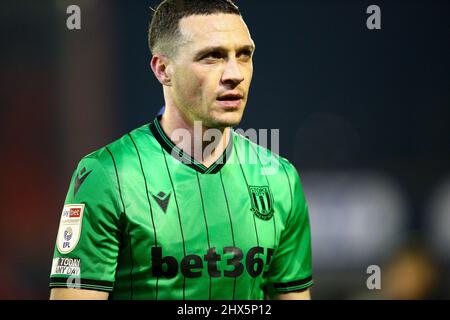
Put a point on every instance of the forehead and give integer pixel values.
(227, 30)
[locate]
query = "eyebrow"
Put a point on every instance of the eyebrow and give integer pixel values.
(203, 51)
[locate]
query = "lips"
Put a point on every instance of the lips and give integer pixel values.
(231, 100)
(230, 97)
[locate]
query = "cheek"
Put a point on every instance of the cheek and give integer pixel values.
(202, 84)
(197, 85)
(249, 74)
(187, 85)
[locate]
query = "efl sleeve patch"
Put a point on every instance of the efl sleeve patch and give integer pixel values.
(70, 227)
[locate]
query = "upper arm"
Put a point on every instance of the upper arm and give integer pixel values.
(291, 267)
(89, 234)
(77, 294)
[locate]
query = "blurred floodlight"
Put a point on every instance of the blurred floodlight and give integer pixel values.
(438, 226)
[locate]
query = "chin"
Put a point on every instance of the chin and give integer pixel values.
(231, 119)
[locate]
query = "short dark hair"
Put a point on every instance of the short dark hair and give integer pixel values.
(163, 29)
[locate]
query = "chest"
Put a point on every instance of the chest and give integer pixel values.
(207, 220)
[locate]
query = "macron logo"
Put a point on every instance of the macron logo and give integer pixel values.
(162, 199)
(79, 179)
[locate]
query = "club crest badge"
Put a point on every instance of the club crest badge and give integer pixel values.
(262, 202)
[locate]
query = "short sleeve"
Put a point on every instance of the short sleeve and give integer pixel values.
(291, 265)
(89, 233)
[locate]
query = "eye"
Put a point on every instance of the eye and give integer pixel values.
(213, 55)
(245, 54)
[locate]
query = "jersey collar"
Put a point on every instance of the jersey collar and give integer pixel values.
(173, 150)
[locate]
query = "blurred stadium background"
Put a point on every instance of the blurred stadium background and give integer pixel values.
(364, 115)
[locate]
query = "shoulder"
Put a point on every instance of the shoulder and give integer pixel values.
(268, 158)
(119, 148)
(106, 159)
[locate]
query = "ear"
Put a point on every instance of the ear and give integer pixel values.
(160, 67)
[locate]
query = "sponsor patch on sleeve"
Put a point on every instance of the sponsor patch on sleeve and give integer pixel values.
(66, 266)
(70, 227)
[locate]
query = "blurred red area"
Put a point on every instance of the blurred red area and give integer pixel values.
(30, 199)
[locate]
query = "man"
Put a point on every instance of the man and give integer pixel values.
(162, 213)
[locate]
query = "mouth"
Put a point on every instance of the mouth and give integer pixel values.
(230, 100)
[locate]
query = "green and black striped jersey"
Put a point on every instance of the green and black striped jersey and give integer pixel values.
(143, 220)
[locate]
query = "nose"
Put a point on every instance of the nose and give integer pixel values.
(232, 73)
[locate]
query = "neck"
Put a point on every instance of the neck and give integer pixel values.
(204, 144)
